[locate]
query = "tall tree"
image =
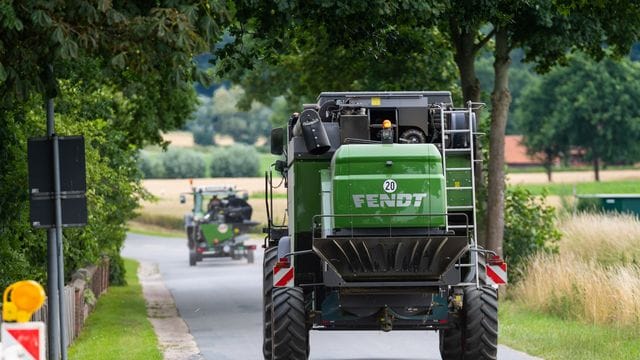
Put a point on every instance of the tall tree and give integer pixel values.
(588, 105)
(546, 31)
(124, 72)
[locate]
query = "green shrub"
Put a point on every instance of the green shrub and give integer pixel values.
(530, 227)
(183, 163)
(235, 161)
(116, 270)
(150, 165)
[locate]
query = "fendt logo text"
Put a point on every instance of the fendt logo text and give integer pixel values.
(388, 200)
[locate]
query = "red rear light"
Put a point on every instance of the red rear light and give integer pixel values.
(495, 260)
(250, 247)
(283, 263)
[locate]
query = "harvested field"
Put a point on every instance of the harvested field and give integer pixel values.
(179, 138)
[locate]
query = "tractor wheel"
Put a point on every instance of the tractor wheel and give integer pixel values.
(193, 257)
(476, 336)
(290, 333)
(413, 136)
(251, 257)
(269, 261)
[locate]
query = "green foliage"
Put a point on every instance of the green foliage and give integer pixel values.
(124, 73)
(235, 161)
(530, 227)
(298, 50)
(117, 272)
(568, 108)
(202, 125)
(220, 114)
(150, 165)
(112, 182)
(183, 164)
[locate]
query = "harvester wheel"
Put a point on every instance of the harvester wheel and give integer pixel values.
(413, 136)
(193, 257)
(270, 259)
(290, 334)
(477, 334)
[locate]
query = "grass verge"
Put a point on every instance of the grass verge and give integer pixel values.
(118, 328)
(602, 187)
(550, 337)
(585, 168)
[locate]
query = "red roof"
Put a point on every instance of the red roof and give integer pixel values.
(515, 153)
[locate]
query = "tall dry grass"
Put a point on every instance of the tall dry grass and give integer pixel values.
(608, 238)
(596, 276)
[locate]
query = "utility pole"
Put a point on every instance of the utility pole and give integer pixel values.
(55, 266)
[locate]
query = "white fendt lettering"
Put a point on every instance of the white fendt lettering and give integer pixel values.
(388, 200)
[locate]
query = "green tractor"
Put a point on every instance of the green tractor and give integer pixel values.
(217, 224)
(381, 230)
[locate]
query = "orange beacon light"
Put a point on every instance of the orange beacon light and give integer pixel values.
(21, 300)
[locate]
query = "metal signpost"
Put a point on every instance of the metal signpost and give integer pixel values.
(57, 190)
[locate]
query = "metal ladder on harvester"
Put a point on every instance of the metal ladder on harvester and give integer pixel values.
(458, 167)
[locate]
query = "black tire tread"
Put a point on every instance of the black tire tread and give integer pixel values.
(290, 340)
(270, 259)
(476, 336)
(422, 138)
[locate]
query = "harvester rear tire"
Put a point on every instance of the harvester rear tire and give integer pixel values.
(290, 333)
(269, 261)
(476, 336)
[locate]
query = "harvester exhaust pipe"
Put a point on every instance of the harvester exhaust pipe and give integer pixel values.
(313, 132)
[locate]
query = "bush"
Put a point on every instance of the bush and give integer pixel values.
(150, 165)
(235, 161)
(183, 163)
(530, 228)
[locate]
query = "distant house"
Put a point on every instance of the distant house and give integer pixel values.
(515, 153)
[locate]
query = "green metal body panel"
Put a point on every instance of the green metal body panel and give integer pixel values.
(359, 172)
(459, 179)
(305, 202)
(216, 233)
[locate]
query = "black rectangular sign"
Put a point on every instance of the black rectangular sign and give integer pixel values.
(73, 184)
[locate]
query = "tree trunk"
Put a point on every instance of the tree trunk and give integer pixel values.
(465, 57)
(500, 100)
(596, 167)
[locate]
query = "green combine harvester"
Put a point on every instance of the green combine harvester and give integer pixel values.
(217, 224)
(381, 228)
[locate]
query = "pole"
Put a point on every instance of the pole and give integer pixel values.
(60, 260)
(53, 309)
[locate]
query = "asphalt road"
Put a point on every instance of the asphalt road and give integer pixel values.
(221, 303)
